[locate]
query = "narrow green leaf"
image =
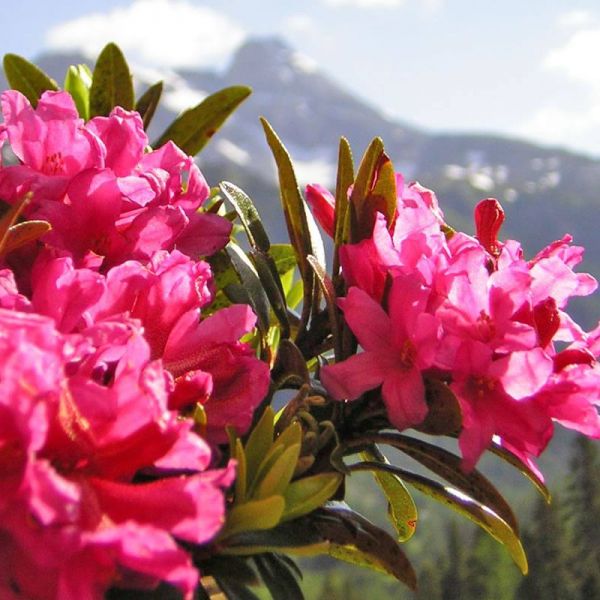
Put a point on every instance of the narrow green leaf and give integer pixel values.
(23, 233)
(355, 539)
(448, 465)
(278, 477)
(302, 229)
(234, 591)
(292, 434)
(148, 102)
(265, 466)
(383, 196)
(402, 510)
(241, 477)
(273, 288)
(255, 514)
(111, 83)
(483, 516)
(193, 128)
(345, 178)
(278, 578)
(330, 300)
(246, 211)
(260, 441)
(78, 81)
(294, 297)
(27, 78)
(284, 257)
(251, 283)
(524, 469)
(305, 495)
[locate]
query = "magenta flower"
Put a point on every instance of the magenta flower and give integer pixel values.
(496, 397)
(213, 367)
(397, 347)
(51, 142)
(81, 415)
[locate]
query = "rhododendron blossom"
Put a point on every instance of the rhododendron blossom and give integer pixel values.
(72, 439)
(496, 319)
(101, 192)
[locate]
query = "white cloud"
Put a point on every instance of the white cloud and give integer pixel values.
(578, 57)
(576, 18)
(299, 23)
(576, 61)
(163, 33)
(575, 129)
(366, 3)
(429, 6)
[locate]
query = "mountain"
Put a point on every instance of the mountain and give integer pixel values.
(546, 192)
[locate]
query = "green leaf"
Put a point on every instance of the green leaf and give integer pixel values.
(345, 178)
(354, 539)
(273, 288)
(284, 257)
(23, 233)
(260, 441)
(111, 83)
(264, 513)
(302, 229)
(329, 294)
(246, 211)
(278, 577)
(402, 510)
(148, 102)
(524, 469)
(251, 283)
(295, 295)
(235, 591)
(78, 81)
(483, 516)
(268, 460)
(27, 78)
(193, 128)
(374, 191)
(448, 465)
(305, 495)
(278, 477)
(291, 435)
(300, 534)
(241, 477)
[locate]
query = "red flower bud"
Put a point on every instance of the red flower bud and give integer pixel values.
(489, 217)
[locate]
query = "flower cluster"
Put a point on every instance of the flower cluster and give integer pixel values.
(104, 351)
(428, 304)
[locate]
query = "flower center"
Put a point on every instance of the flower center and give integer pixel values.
(54, 164)
(408, 355)
(486, 327)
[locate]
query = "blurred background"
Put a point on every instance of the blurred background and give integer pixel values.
(473, 99)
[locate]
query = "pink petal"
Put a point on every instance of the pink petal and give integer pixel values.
(354, 376)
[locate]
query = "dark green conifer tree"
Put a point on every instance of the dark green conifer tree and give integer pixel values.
(584, 509)
(549, 553)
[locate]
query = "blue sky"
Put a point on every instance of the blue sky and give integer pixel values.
(514, 67)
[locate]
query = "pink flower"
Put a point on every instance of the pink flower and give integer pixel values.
(51, 142)
(496, 397)
(81, 415)
(213, 367)
(397, 347)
